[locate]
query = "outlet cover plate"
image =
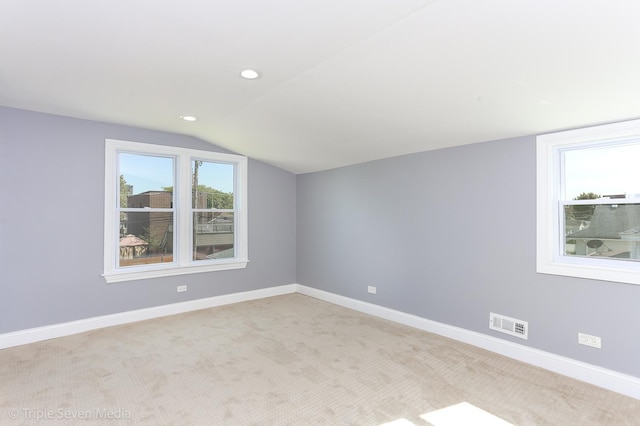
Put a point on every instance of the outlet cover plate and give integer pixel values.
(589, 340)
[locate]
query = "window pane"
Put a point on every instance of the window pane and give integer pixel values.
(603, 171)
(212, 185)
(145, 238)
(603, 230)
(213, 235)
(145, 181)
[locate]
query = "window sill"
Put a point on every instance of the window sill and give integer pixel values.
(608, 271)
(127, 275)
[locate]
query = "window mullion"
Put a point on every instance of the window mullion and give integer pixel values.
(240, 207)
(183, 209)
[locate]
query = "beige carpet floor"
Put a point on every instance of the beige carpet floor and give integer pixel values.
(286, 360)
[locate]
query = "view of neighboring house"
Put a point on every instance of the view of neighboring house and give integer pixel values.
(147, 236)
(214, 239)
(154, 226)
(613, 231)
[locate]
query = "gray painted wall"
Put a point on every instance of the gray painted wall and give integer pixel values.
(450, 235)
(51, 225)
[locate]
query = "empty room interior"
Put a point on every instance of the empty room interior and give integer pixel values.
(410, 212)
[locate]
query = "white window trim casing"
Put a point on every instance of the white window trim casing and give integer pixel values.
(549, 245)
(182, 257)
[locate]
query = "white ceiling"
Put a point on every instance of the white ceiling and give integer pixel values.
(343, 81)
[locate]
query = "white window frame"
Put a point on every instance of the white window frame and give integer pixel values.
(183, 217)
(550, 207)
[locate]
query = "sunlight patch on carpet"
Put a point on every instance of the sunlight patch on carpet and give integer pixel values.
(463, 414)
(399, 422)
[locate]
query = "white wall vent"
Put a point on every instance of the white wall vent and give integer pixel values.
(508, 325)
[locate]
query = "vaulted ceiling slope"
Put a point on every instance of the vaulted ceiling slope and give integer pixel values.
(342, 81)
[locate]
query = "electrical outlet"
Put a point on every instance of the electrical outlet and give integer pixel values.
(588, 340)
(181, 288)
(371, 289)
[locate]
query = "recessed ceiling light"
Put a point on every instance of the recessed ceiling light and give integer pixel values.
(188, 117)
(250, 74)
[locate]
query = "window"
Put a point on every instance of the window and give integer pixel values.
(589, 203)
(171, 211)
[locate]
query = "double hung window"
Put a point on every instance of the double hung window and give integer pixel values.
(589, 203)
(171, 211)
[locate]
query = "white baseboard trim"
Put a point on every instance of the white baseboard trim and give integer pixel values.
(608, 379)
(602, 377)
(38, 334)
